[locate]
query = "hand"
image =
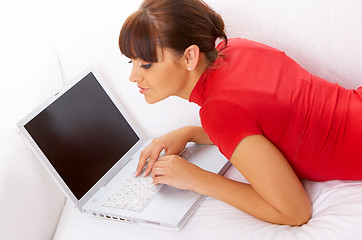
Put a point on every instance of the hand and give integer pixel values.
(172, 143)
(177, 172)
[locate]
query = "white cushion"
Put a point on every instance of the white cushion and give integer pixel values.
(30, 202)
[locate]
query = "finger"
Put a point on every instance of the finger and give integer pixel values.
(145, 154)
(152, 159)
(160, 180)
(169, 158)
(165, 158)
(157, 171)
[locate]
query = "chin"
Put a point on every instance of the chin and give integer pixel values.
(153, 100)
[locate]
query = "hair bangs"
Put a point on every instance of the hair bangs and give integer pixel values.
(138, 38)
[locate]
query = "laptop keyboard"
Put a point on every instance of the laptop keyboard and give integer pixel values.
(136, 192)
(133, 194)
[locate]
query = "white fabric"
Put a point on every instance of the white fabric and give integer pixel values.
(30, 201)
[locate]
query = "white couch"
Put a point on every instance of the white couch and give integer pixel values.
(45, 44)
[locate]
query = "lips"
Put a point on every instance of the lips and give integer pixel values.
(143, 90)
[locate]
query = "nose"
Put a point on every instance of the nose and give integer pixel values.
(135, 76)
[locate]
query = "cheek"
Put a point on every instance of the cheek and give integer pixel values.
(165, 80)
(174, 78)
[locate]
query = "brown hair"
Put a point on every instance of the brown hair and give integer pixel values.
(173, 24)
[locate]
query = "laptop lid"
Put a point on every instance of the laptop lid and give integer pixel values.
(82, 135)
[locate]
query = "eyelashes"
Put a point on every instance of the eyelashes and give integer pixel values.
(144, 66)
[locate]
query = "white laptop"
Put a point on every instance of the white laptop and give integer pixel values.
(90, 146)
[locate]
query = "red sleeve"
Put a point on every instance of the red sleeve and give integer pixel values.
(227, 124)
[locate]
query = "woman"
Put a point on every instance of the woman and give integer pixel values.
(273, 120)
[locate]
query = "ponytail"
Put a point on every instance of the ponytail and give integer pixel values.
(219, 32)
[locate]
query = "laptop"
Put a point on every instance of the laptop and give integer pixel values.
(91, 147)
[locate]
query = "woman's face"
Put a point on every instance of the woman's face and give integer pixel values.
(157, 81)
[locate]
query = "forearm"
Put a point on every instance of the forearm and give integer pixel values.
(197, 135)
(245, 198)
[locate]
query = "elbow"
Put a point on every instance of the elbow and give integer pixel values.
(298, 218)
(298, 221)
(295, 218)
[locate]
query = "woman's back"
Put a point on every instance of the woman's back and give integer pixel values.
(255, 89)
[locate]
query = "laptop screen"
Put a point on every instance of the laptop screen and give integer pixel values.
(82, 134)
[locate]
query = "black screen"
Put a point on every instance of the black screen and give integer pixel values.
(82, 134)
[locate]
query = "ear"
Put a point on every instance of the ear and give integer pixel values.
(191, 57)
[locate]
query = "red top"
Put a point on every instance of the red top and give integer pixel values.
(255, 89)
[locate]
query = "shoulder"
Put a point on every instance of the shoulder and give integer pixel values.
(244, 57)
(246, 44)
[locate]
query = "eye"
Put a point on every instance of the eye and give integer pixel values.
(146, 66)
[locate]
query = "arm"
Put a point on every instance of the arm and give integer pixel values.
(275, 194)
(198, 135)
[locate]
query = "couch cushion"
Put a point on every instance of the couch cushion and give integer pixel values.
(30, 202)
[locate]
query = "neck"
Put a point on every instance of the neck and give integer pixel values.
(194, 76)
